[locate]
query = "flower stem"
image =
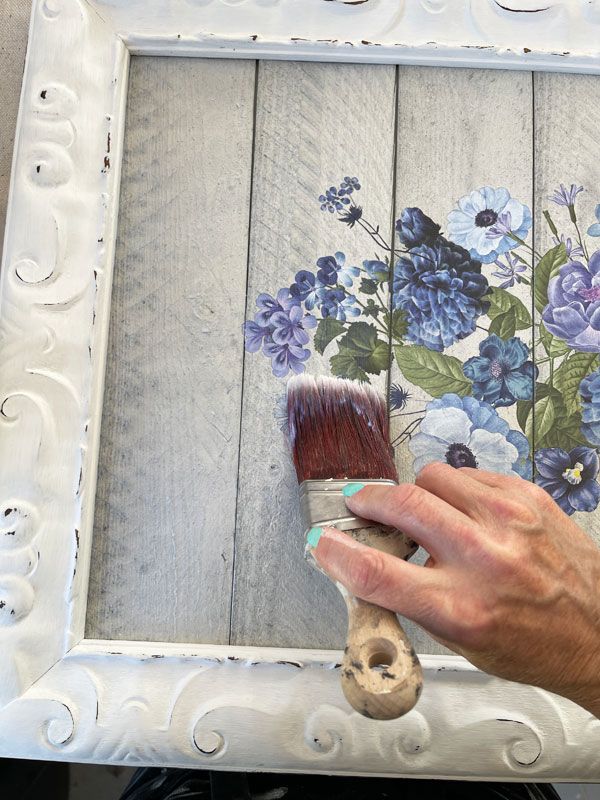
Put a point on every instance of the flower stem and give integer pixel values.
(383, 329)
(581, 242)
(481, 328)
(524, 243)
(407, 413)
(408, 432)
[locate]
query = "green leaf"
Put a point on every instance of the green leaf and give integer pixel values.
(552, 345)
(569, 375)
(504, 325)
(544, 414)
(345, 365)
(372, 309)
(327, 330)
(502, 302)
(523, 411)
(399, 325)
(565, 433)
(361, 353)
(434, 372)
(546, 268)
(368, 286)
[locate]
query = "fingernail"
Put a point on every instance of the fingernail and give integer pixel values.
(313, 536)
(352, 488)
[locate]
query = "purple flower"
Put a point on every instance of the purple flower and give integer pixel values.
(254, 335)
(332, 270)
(594, 230)
(267, 305)
(572, 250)
(337, 304)
(306, 289)
(285, 357)
(289, 327)
(415, 228)
(501, 373)
(570, 478)
(565, 197)
(573, 310)
(510, 271)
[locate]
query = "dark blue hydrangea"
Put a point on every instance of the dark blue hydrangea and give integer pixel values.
(333, 199)
(398, 397)
(570, 478)
(589, 389)
(350, 185)
(440, 288)
(415, 228)
(502, 372)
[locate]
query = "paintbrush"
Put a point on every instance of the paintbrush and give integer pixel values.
(339, 433)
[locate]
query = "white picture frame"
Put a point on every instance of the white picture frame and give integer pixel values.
(240, 708)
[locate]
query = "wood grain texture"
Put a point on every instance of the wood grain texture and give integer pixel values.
(163, 542)
(14, 24)
(452, 140)
(567, 150)
(315, 124)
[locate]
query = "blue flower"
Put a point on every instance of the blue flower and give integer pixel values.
(306, 289)
(351, 215)
(415, 228)
(332, 270)
(398, 397)
(377, 270)
(469, 225)
(465, 432)
(565, 197)
(589, 390)
(332, 200)
(594, 230)
(337, 304)
(509, 272)
(285, 357)
(290, 327)
(350, 185)
(267, 305)
(570, 478)
(254, 335)
(501, 373)
(440, 288)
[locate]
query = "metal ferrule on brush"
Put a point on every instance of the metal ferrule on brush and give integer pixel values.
(323, 505)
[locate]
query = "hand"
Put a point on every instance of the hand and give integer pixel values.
(512, 583)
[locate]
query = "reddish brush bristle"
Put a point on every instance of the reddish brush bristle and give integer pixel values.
(338, 429)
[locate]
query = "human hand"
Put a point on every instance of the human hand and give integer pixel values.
(512, 583)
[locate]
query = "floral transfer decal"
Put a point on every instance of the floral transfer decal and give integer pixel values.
(427, 291)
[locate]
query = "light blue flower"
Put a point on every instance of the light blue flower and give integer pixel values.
(333, 269)
(594, 230)
(469, 225)
(465, 432)
(589, 390)
(502, 372)
(336, 303)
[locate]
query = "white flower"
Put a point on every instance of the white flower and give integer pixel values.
(476, 223)
(450, 436)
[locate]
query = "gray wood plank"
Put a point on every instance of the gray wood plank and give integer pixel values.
(458, 130)
(567, 121)
(163, 542)
(315, 124)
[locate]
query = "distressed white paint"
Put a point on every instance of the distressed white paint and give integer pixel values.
(124, 702)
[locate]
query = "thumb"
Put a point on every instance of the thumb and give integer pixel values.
(372, 575)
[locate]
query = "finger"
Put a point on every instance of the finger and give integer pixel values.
(430, 521)
(456, 487)
(384, 580)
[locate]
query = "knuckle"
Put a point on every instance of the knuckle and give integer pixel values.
(475, 625)
(432, 472)
(407, 494)
(367, 572)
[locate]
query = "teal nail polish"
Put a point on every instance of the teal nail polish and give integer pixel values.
(313, 536)
(352, 488)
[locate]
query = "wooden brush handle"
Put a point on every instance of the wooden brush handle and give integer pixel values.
(381, 673)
